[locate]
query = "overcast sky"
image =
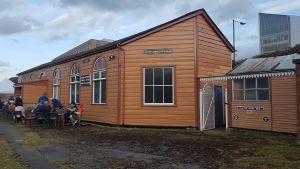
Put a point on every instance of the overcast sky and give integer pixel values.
(33, 32)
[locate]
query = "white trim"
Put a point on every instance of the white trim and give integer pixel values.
(277, 74)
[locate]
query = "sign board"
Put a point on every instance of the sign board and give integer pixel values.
(85, 80)
(255, 108)
(158, 51)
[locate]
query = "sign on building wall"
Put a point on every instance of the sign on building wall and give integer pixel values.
(85, 80)
(255, 108)
(158, 51)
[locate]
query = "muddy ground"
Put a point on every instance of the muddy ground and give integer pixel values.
(113, 147)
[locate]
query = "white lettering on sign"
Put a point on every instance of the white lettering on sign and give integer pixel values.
(85, 80)
(250, 108)
(158, 51)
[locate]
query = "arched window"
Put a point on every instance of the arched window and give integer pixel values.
(31, 77)
(56, 83)
(74, 84)
(43, 75)
(99, 81)
(23, 79)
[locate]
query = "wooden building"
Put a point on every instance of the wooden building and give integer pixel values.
(262, 94)
(147, 79)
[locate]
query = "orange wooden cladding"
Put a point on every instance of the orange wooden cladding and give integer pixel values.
(214, 55)
(183, 114)
(284, 104)
(251, 119)
(32, 91)
(281, 109)
(198, 51)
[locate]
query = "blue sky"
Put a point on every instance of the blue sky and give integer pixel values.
(33, 32)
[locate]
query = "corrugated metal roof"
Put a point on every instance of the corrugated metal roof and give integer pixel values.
(271, 64)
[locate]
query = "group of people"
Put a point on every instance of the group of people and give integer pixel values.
(13, 104)
(53, 105)
(45, 105)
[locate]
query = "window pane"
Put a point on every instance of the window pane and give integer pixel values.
(148, 76)
(262, 94)
(158, 76)
(72, 92)
(148, 94)
(96, 75)
(238, 95)
(262, 83)
(96, 91)
(77, 92)
(168, 76)
(158, 94)
(103, 91)
(72, 79)
(250, 83)
(250, 94)
(77, 78)
(168, 91)
(103, 74)
(238, 84)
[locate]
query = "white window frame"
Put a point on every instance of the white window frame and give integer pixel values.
(56, 84)
(100, 70)
(256, 89)
(173, 87)
(75, 75)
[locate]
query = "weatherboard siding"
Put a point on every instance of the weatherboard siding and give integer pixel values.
(214, 55)
(179, 38)
(284, 104)
(106, 113)
(251, 119)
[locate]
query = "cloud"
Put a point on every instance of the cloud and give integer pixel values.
(4, 64)
(279, 6)
(6, 5)
(233, 9)
(14, 24)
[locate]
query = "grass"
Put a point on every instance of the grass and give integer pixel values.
(270, 151)
(8, 158)
(32, 138)
(64, 165)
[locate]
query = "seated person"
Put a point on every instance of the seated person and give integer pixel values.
(11, 106)
(70, 111)
(43, 108)
(21, 109)
(43, 99)
(56, 105)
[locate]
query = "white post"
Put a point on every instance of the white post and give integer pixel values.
(226, 108)
(201, 110)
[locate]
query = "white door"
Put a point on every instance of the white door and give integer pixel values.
(207, 108)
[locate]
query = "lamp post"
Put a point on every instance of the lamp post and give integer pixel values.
(233, 41)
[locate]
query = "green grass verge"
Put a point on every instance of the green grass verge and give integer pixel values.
(32, 138)
(8, 158)
(270, 152)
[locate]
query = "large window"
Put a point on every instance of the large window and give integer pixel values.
(74, 84)
(56, 83)
(251, 89)
(159, 85)
(99, 81)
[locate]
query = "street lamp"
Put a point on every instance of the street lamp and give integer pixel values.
(241, 23)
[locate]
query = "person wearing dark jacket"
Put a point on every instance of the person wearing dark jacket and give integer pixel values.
(56, 104)
(43, 99)
(18, 101)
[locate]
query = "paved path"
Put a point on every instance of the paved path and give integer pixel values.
(31, 155)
